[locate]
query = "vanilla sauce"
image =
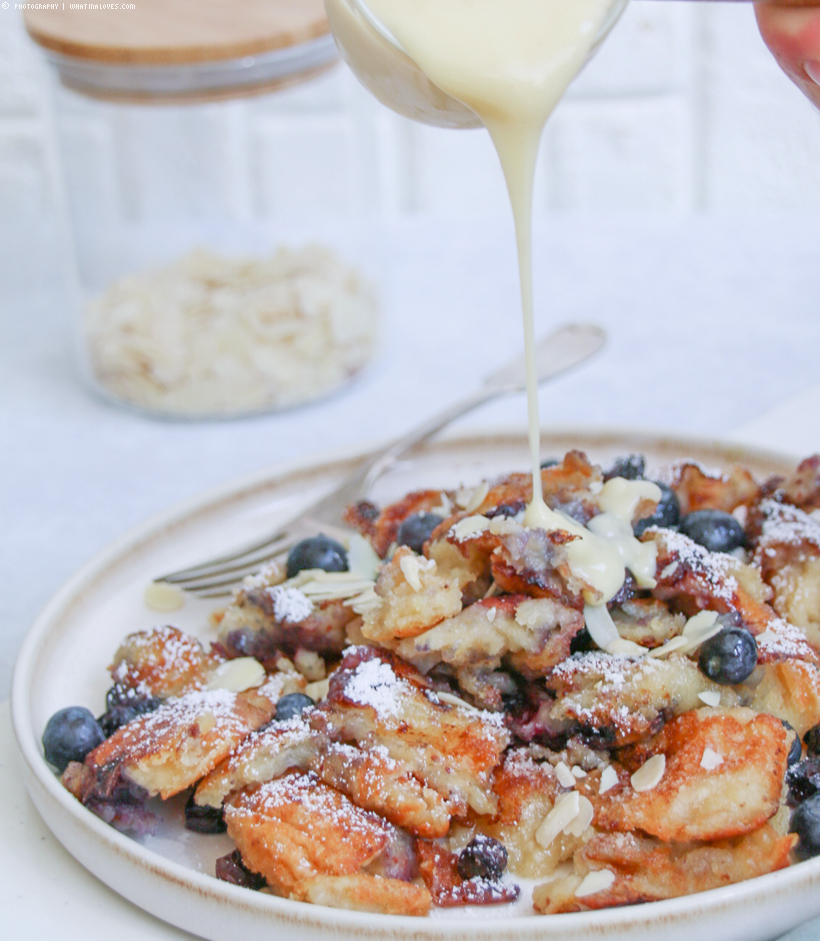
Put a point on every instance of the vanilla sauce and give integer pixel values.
(510, 63)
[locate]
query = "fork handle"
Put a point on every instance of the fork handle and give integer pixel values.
(359, 482)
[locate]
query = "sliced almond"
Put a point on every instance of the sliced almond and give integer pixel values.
(238, 675)
(595, 882)
(565, 777)
(318, 691)
(410, 568)
(676, 643)
(586, 812)
(468, 527)
(564, 811)
(161, 596)
(649, 775)
(609, 778)
(711, 759)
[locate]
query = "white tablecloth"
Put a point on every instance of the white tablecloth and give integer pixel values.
(714, 332)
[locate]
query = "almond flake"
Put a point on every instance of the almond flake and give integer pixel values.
(625, 647)
(595, 882)
(564, 811)
(711, 697)
(600, 625)
(767, 637)
(711, 759)
(238, 675)
(491, 613)
(578, 771)
(469, 527)
(452, 700)
(410, 568)
(161, 596)
(367, 601)
(361, 558)
(585, 814)
(648, 776)
(676, 643)
(701, 621)
(318, 691)
(477, 497)
(446, 507)
(503, 526)
(700, 628)
(565, 777)
(609, 778)
(470, 499)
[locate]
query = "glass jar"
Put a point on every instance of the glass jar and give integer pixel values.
(193, 299)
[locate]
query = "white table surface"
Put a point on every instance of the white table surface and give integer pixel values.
(715, 331)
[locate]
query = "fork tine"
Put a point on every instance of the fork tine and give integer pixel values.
(183, 579)
(233, 575)
(282, 540)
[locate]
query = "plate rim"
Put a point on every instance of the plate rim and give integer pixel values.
(50, 797)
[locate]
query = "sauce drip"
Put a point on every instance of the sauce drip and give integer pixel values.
(511, 62)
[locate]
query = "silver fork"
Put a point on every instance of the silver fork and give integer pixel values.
(556, 353)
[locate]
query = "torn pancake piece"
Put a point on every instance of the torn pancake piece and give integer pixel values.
(297, 832)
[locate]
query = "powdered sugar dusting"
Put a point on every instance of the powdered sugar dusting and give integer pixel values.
(714, 568)
(614, 670)
(671, 474)
(290, 604)
(784, 524)
(201, 710)
(320, 806)
(782, 640)
(373, 683)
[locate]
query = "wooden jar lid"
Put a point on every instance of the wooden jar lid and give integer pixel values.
(178, 32)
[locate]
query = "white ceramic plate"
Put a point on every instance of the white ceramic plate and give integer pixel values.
(63, 662)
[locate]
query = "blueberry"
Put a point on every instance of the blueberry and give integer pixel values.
(729, 657)
(803, 780)
(70, 735)
(482, 858)
(294, 704)
(812, 740)
(318, 552)
(630, 467)
(506, 509)
(796, 750)
(714, 530)
(204, 819)
(805, 822)
(416, 529)
(550, 462)
(582, 642)
(125, 711)
(665, 514)
(232, 869)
